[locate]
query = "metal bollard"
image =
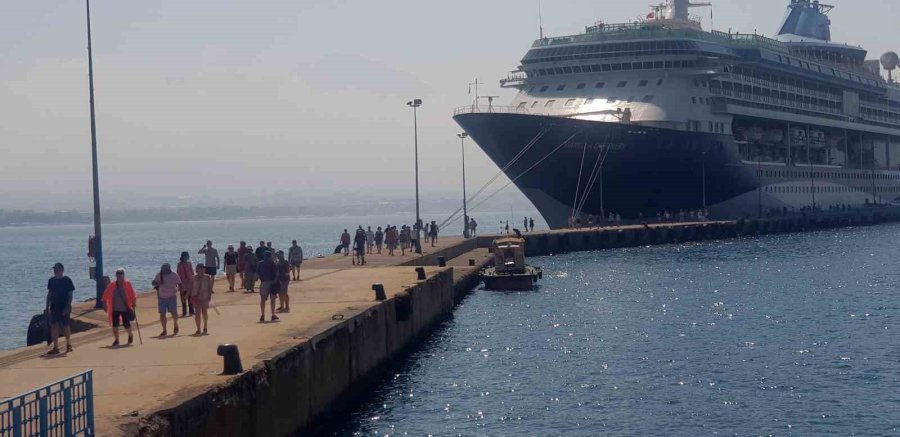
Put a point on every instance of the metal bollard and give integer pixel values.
(442, 261)
(379, 292)
(420, 271)
(232, 358)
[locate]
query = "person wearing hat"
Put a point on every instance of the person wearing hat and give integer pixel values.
(120, 300)
(59, 307)
(166, 284)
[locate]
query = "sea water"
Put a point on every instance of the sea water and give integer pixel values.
(776, 335)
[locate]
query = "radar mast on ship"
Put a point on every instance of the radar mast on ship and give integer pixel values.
(676, 12)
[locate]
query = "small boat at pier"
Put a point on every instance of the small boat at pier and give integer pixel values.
(510, 273)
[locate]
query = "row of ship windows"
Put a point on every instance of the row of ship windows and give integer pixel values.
(818, 68)
(611, 47)
(713, 126)
(611, 55)
(825, 175)
(624, 66)
(573, 102)
(598, 85)
(829, 189)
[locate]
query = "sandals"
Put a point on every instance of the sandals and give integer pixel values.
(262, 319)
(69, 348)
(164, 333)
(130, 339)
(54, 351)
(175, 331)
(274, 317)
(115, 344)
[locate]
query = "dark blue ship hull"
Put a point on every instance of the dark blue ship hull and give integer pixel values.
(645, 171)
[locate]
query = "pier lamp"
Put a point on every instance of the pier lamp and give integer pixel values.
(415, 104)
(462, 145)
(98, 239)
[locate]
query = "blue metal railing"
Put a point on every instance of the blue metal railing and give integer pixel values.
(64, 408)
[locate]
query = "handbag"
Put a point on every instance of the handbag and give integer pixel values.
(129, 313)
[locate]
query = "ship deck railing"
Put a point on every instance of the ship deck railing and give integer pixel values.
(484, 109)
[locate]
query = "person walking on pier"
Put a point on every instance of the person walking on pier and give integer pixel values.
(359, 243)
(390, 239)
(120, 302)
(531, 224)
(268, 273)
(60, 290)
(241, 259)
(404, 239)
(231, 260)
(166, 284)
(345, 242)
(284, 280)
(261, 251)
(370, 240)
(295, 257)
(251, 266)
(201, 295)
(186, 275)
(212, 259)
(433, 232)
(379, 239)
(525, 224)
(473, 227)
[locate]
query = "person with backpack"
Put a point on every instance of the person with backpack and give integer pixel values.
(251, 272)
(283, 269)
(120, 302)
(166, 284)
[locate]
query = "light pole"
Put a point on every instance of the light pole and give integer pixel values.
(98, 239)
(462, 145)
(415, 104)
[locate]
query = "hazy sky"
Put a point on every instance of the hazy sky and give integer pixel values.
(242, 97)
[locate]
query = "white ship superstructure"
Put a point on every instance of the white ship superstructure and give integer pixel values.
(785, 123)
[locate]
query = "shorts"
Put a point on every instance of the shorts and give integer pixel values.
(211, 271)
(296, 264)
(59, 317)
(168, 305)
(122, 315)
(285, 282)
(231, 270)
(265, 289)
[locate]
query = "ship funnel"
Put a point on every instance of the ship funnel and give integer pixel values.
(808, 19)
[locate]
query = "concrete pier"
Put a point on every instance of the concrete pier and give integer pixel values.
(329, 349)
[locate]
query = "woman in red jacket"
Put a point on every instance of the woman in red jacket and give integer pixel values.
(119, 299)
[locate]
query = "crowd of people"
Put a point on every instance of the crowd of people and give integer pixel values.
(366, 241)
(613, 219)
(272, 270)
(262, 270)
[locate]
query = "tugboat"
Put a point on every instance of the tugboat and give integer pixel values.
(510, 273)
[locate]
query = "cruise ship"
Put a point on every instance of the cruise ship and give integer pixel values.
(661, 115)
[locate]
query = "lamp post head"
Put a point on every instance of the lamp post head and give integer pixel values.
(415, 103)
(463, 135)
